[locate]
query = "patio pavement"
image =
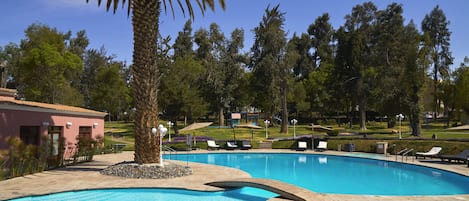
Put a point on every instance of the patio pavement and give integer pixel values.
(87, 176)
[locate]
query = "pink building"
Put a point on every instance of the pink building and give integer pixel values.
(34, 121)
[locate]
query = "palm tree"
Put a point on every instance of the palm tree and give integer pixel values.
(145, 23)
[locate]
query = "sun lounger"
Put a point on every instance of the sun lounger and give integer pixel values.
(432, 153)
(459, 157)
(302, 146)
(211, 145)
(246, 144)
(322, 146)
(231, 145)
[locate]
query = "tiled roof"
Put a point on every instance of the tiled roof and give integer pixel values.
(56, 107)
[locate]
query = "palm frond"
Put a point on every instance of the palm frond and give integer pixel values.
(186, 9)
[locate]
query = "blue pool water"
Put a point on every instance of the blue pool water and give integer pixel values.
(319, 173)
(154, 194)
(341, 175)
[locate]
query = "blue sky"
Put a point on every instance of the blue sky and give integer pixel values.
(114, 31)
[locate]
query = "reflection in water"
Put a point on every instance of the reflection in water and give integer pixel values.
(322, 160)
(302, 159)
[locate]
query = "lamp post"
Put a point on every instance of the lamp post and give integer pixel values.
(399, 117)
(266, 122)
(170, 124)
(162, 132)
(294, 122)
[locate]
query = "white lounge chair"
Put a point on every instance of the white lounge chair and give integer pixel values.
(211, 145)
(322, 146)
(231, 145)
(433, 152)
(246, 144)
(302, 146)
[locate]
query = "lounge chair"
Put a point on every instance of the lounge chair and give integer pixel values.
(211, 145)
(432, 153)
(302, 146)
(459, 157)
(322, 146)
(231, 145)
(246, 144)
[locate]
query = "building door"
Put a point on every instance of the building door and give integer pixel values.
(56, 145)
(29, 135)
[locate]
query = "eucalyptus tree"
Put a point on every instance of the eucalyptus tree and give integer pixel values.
(145, 22)
(110, 92)
(322, 56)
(180, 90)
(211, 45)
(435, 26)
(93, 60)
(321, 33)
(356, 47)
(413, 76)
(268, 64)
(389, 57)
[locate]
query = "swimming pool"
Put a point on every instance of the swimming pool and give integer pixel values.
(339, 174)
(154, 194)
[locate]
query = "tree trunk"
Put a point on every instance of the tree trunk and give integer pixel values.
(145, 19)
(283, 102)
(415, 113)
(221, 117)
(362, 110)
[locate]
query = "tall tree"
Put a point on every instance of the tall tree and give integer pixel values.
(145, 23)
(267, 64)
(462, 88)
(9, 61)
(110, 92)
(48, 69)
(435, 26)
(355, 47)
(413, 76)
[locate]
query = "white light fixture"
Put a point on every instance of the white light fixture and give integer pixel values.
(95, 125)
(400, 117)
(294, 122)
(45, 123)
(170, 124)
(163, 131)
(266, 122)
(69, 124)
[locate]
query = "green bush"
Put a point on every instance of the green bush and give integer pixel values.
(364, 145)
(284, 144)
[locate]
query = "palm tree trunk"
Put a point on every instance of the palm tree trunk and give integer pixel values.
(145, 19)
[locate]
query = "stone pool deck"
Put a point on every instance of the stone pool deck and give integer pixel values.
(87, 176)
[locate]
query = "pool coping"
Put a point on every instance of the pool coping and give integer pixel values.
(86, 176)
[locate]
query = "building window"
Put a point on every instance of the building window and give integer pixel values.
(29, 135)
(84, 132)
(84, 137)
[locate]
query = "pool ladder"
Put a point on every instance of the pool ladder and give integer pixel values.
(405, 153)
(170, 150)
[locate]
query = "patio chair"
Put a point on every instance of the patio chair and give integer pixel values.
(458, 157)
(432, 153)
(246, 144)
(302, 146)
(231, 145)
(322, 146)
(212, 145)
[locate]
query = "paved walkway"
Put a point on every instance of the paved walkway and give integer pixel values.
(87, 176)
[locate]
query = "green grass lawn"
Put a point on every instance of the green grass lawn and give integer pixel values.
(122, 132)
